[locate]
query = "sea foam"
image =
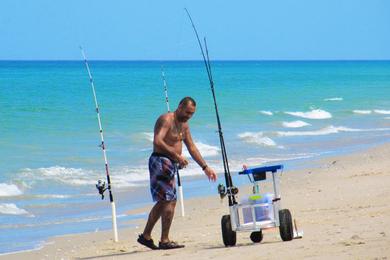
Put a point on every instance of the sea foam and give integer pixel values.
(256, 138)
(267, 113)
(327, 130)
(148, 136)
(204, 149)
(383, 112)
(9, 190)
(362, 112)
(313, 114)
(120, 176)
(12, 209)
(295, 124)
(334, 99)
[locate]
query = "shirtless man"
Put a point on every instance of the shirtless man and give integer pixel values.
(169, 132)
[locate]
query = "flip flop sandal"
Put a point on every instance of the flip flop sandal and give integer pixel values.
(148, 243)
(169, 245)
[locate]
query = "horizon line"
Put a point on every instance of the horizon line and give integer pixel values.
(191, 60)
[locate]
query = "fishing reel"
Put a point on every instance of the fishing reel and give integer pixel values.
(222, 191)
(101, 187)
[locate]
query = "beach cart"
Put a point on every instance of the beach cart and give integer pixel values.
(259, 211)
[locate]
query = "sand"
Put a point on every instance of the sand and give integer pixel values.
(341, 203)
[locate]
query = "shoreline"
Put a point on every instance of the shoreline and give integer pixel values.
(320, 201)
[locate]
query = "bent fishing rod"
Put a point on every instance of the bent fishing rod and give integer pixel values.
(101, 185)
(231, 190)
(181, 198)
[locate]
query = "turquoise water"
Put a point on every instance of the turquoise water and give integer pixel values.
(270, 111)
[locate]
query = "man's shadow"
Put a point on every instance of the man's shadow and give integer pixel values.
(113, 254)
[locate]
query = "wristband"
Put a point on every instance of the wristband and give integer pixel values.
(204, 167)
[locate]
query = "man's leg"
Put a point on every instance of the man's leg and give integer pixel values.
(167, 212)
(154, 215)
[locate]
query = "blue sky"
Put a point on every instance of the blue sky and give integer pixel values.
(158, 29)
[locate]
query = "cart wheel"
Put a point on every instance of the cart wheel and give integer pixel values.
(256, 236)
(286, 225)
(228, 235)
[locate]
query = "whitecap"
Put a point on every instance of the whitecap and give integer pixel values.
(362, 112)
(267, 113)
(205, 150)
(11, 209)
(313, 114)
(262, 160)
(256, 138)
(334, 99)
(7, 190)
(295, 124)
(383, 112)
(120, 177)
(148, 136)
(52, 196)
(327, 130)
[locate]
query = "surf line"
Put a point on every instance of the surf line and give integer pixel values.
(181, 198)
(231, 191)
(101, 185)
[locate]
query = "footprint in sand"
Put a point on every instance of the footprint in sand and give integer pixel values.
(354, 240)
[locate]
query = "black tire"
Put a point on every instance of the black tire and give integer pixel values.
(286, 226)
(228, 235)
(256, 236)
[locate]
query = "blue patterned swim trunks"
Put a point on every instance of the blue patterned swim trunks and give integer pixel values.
(162, 172)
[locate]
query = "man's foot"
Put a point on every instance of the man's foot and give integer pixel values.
(146, 242)
(169, 245)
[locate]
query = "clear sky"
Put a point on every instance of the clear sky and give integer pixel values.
(160, 30)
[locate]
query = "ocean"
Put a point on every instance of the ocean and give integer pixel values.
(288, 112)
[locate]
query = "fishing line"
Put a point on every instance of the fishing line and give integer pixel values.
(229, 184)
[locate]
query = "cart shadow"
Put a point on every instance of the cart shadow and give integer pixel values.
(245, 245)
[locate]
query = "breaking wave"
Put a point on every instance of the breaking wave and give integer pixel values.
(334, 99)
(204, 149)
(313, 114)
(295, 124)
(120, 177)
(257, 138)
(362, 112)
(267, 113)
(148, 136)
(12, 209)
(7, 190)
(383, 112)
(327, 130)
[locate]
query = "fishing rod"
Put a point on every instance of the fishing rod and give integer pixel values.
(101, 185)
(231, 190)
(165, 88)
(181, 198)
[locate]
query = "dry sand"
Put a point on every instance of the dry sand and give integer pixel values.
(342, 204)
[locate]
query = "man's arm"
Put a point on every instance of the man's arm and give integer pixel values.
(195, 154)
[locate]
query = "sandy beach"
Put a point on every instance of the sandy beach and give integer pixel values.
(341, 203)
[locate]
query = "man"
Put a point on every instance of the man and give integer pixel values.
(170, 130)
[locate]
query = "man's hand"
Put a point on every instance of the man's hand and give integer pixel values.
(182, 161)
(210, 174)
